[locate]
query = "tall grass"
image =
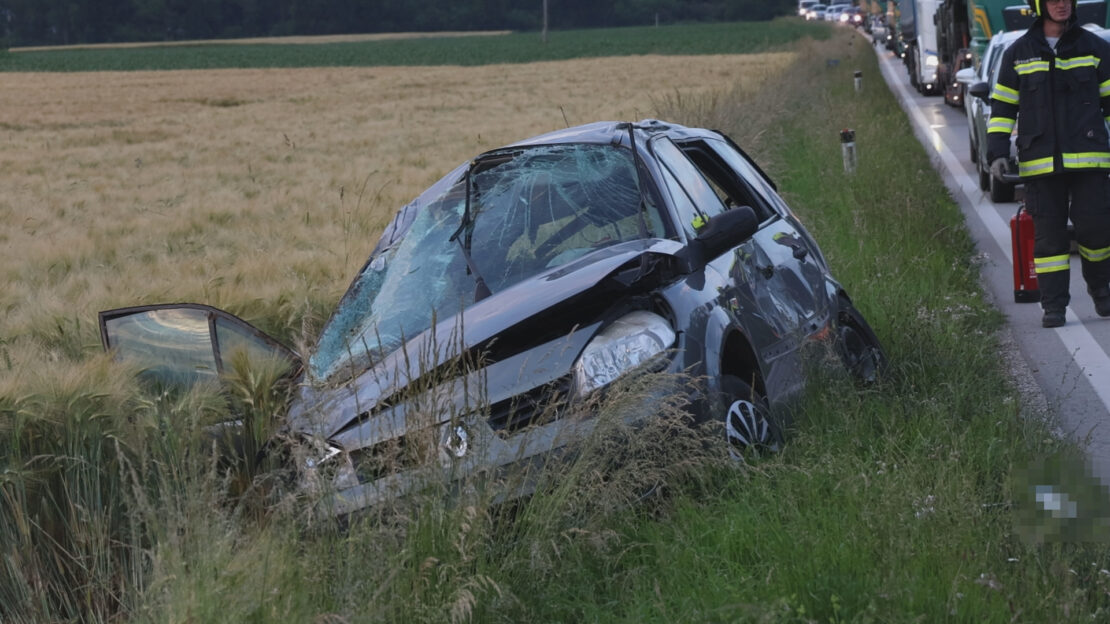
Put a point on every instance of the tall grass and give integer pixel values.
(894, 503)
(909, 501)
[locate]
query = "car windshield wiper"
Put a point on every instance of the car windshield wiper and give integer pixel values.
(464, 235)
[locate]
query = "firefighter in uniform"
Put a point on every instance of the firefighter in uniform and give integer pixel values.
(1055, 80)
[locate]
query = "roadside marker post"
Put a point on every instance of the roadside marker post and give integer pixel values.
(848, 149)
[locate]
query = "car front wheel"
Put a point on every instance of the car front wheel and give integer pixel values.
(860, 348)
(747, 418)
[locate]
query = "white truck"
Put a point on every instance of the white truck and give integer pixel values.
(919, 32)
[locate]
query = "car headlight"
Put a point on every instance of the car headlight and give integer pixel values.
(630, 341)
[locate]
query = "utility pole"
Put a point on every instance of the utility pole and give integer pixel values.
(543, 36)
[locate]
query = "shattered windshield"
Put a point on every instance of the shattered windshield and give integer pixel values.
(514, 214)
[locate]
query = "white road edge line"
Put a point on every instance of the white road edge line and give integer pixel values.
(1084, 349)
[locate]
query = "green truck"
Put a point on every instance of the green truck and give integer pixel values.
(972, 23)
(965, 26)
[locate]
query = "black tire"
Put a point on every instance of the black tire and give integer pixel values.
(911, 67)
(860, 349)
(973, 150)
(1001, 192)
(984, 177)
(749, 426)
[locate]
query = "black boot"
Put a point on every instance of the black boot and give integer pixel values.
(1053, 318)
(1054, 297)
(1101, 297)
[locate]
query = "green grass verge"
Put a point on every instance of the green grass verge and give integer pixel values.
(726, 38)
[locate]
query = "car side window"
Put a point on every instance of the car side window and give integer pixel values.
(693, 196)
(996, 58)
(731, 174)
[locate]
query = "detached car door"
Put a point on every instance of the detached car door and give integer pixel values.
(185, 344)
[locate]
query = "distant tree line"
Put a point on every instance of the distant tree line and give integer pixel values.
(66, 22)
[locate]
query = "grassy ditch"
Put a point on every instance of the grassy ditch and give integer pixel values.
(907, 502)
(725, 38)
(889, 504)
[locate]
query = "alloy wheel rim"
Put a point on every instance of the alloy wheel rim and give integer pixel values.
(746, 427)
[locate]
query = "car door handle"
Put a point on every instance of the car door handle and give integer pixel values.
(791, 240)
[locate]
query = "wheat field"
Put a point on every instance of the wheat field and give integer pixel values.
(262, 191)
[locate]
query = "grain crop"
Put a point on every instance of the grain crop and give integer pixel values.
(262, 190)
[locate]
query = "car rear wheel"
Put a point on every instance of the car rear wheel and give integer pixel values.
(984, 177)
(860, 349)
(747, 418)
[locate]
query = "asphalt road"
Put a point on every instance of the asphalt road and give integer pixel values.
(1069, 365)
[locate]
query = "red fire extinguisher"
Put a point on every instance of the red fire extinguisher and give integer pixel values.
(1026, 289)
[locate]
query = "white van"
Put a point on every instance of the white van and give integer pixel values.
(804, 6)
(833, 11)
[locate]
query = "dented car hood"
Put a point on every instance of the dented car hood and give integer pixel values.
(548, 317)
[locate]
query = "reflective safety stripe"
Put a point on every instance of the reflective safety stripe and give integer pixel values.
(1004, 94)
(1079, 61)
(1032, 67)
(1035, 167)
(1104, 89)
(1087, 160)
(1094, 255)
(1051, 264)
(1001, 124)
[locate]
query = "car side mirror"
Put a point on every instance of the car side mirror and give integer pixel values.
(966, 76)
(721, 233)
(980, 90)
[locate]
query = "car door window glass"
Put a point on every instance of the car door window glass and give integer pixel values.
(761, 188)
(237, 341)
(186, 344)
(693, 196)
(172, 345)
(731, 174)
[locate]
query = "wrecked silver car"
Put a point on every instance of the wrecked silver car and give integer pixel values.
(528, 280)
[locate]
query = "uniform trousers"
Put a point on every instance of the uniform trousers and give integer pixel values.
(1083, 197)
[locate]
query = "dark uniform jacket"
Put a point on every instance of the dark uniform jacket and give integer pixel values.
(1063, 99)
